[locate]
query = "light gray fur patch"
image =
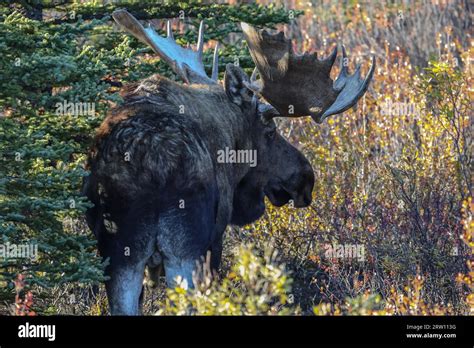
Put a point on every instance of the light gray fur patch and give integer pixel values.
(127, 286)
(180, 274)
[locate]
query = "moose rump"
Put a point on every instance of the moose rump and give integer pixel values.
(155, 194)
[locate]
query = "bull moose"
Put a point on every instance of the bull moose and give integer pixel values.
(161, 195)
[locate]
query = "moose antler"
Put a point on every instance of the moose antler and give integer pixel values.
(184, 62)
(300, 85)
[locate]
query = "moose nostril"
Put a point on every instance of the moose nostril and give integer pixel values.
(310, 179)
(307, 178)
(307, 198)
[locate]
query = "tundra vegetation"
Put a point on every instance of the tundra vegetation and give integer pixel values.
(390, 229)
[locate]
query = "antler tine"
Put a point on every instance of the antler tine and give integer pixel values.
(254, 85)
(215, 63)
(343, 71)
(253, 78)
(200, 44)
(329, 61)
(353, 88)
(184, 62)
(169, 31)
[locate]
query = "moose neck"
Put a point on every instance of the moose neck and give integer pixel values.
(228, 129)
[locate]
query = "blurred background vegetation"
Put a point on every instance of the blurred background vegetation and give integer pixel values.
(393, 175)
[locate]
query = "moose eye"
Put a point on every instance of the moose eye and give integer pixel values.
(270, 134)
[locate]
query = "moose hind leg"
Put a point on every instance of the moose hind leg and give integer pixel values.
(186, 235)
(180, 270)
(124, 288)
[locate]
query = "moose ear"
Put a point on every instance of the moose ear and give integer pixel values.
(235, 84)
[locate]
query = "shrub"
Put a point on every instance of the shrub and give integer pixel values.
(256, 285)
